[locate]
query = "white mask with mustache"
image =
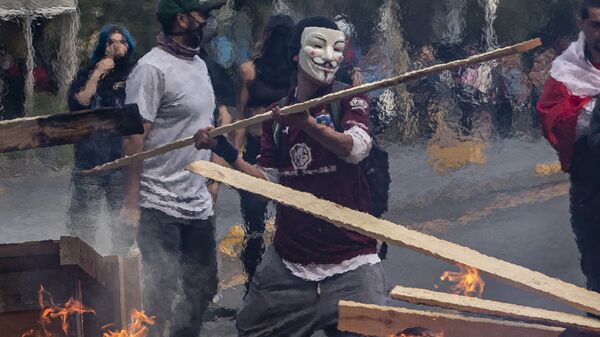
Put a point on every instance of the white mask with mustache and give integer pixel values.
(321, 52)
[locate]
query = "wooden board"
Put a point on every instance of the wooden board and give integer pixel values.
(396, 234)
(14, 324)
(76, 253)
(379, 321)
(133, 284)
(493, 308)
(29, 256)
(126, 287)
(68, 128)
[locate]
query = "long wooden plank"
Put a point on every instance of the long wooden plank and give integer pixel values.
(392, 233)
(493, 308)
(68, 128)
(374, 320)
(303, 106)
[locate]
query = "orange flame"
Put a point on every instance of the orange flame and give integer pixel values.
(137, 328)
(50, 312)
(467, 281)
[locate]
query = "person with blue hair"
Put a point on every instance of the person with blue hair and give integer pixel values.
(100, 83)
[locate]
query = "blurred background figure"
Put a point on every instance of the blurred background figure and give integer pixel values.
(224, 86)
(265, 79)
(349, 72)
(12, 86)
(100, 83)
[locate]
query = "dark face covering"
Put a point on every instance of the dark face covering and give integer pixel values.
(193, 36)
(121, 62)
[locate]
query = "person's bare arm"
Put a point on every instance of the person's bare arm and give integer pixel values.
(84, 97)
(247, 74)
(130, 212)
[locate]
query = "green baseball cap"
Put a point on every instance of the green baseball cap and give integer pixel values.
(170, 8)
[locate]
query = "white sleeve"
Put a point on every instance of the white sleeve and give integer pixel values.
(145, 87)
(361, 145)
(271, 174)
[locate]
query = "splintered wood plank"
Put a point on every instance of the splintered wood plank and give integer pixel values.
(380, 321)
(67, 128)
(493, 308)
(399, 235)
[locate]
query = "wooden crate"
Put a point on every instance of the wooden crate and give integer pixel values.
(67, 268)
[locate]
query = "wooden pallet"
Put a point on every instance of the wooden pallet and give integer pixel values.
(66, 268)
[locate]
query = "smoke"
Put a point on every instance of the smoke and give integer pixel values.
(449, 21)
(389, 53)
(490, 9)
(282, 7)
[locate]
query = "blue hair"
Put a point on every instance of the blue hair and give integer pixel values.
(106, 31)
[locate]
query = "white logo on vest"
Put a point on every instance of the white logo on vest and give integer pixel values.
(358, 103)
(301, 156)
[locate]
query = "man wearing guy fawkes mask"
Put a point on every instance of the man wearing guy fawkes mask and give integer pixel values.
(312, 263)
(172, 208)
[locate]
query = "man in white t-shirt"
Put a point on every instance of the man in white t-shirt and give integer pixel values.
(173, 207)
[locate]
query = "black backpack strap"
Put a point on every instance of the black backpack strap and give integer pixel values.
(277, 126)
(336, 106)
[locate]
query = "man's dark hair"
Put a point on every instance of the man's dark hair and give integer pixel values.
(106, 32)
(585, 7)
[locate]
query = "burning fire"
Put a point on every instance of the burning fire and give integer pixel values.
(51, 312)
(137, 328)
(467, 281)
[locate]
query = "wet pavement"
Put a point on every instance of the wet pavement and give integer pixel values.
(500, 207)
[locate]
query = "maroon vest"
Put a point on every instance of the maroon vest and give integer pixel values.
(305, 165)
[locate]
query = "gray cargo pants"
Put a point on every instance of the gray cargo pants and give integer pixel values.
(179, 271)
(279, 304)
(85, 209)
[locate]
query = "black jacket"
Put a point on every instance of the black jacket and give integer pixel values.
(98, 149)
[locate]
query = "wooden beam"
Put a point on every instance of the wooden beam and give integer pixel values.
(76, 253)
(126, 287)
(397, 234)
(493, 308)
(68, 128)
(29, 256)
(380, 321)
